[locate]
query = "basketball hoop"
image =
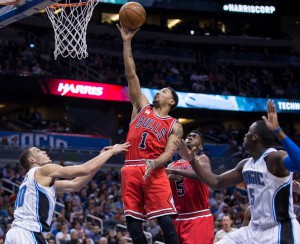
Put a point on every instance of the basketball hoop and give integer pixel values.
(70, 21)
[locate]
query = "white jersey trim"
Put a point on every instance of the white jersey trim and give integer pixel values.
(200, 211)
(161, 210)
(202, 216)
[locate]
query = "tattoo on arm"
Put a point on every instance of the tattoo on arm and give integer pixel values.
(179, 132)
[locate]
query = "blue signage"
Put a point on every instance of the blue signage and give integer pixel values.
(53, 140)
(229, 103)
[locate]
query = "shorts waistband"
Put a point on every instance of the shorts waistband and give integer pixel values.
(135, 162)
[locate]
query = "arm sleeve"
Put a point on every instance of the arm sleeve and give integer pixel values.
(293, 159)
(290, 165)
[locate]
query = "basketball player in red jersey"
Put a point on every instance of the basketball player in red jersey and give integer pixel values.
(146, 190)
(191, 198)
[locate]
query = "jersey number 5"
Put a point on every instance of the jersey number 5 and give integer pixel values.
(20, 197)
(180, 187)
(143, 141)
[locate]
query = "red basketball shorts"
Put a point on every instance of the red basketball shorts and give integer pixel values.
(198, 230)
(146, 199)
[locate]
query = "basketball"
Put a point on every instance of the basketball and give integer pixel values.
(132, 15)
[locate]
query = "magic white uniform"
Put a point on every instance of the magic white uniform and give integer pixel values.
(271, 206)
(33, 212)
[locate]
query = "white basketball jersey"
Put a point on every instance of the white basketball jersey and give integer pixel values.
(270, 197)
(34, 205)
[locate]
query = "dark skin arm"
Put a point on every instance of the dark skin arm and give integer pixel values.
(173, 177)
(203, 170)
(185, 173)
(275, 163)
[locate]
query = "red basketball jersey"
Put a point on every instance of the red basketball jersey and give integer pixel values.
(148, 134)
(189, 195)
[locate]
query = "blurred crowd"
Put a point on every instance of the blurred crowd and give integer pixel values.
(159, 63)
(95, 213)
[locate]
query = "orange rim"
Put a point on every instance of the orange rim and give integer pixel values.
(69, 5)
(10, 3)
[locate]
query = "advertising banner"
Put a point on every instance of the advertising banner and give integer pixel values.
(93, 90)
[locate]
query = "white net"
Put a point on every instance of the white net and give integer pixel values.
(70, 22)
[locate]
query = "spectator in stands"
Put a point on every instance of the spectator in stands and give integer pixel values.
(37, 70)
(96, 233)
(63, 236)
(74, 237)
(14, 141)
(154, 229)
(212, 203)
(51, 241)
(4, 141)
(226, 228)
(111, 203)
(106, 214)
(103, 240)
(77, 211)
(88, 229)
(55, 228)
(122, 220)
(88, 240)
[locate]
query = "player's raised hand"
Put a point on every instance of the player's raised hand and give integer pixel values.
(184, 152)
(126, 33)
(150, 166)
(271, 119)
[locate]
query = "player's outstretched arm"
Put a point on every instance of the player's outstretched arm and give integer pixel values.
(77, 183)
(203, 170)
(57, 171)
(137, 98)
(183, 173)
(292, 160)
(170, 150)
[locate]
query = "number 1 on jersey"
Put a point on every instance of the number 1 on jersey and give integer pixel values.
(143, 141)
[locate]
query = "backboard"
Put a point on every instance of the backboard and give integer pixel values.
(23, 9)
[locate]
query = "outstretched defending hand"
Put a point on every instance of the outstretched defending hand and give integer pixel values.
(126, 33)
(184, 152)
(117, 148)
(271, 120)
